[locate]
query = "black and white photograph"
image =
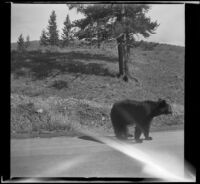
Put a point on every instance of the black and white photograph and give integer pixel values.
(98, 91)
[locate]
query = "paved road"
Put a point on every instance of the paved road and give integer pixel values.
(79, 157)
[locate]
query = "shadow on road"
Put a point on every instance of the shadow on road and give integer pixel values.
(89, 138)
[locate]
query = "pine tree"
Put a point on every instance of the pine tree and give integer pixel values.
(21, 43)
(128, 20)
(44, 40)
(27, 43)
(66, 35)
(52, 30)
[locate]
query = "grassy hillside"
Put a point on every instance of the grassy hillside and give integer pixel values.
(75, 87)
(34, 45)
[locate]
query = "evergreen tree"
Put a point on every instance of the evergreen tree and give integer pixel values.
(66, 35)
(44, 40)
(27, 43)
(53, 36)
(121, 21)
(20, 43)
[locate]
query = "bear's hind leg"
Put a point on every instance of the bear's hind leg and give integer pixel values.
(138, 133)
(121, 132)
(124, 132)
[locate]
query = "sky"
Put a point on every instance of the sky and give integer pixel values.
(31, 19)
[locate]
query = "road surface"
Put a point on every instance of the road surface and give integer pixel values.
(79, 157)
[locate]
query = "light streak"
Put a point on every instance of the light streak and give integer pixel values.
(164, 167)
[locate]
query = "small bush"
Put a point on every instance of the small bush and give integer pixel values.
(59, 84)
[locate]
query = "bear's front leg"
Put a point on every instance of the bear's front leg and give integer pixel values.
(146, 132)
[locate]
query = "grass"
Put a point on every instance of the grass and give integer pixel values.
(75, 87)
(54, 114)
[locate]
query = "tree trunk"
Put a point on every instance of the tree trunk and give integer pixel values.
(123, 49)
(126, 48)
(126, 58)
(120, 54)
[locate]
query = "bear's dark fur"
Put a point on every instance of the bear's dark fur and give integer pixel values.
(140, 113)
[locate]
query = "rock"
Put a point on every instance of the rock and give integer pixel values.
(40, 111)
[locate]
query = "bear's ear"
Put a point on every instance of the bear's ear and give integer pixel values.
(160, 99)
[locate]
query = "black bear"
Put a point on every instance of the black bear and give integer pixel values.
(140, 113)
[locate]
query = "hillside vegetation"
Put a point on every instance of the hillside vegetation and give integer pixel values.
(58, 91)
